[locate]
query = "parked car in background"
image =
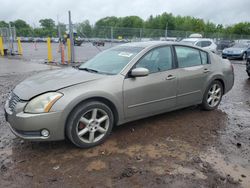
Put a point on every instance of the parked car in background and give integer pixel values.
(248, 62)
(222, 44)
(27, 39)
(243, 41)
(238, 51)
(78, 41)
(98, 43)
(204, 43)
(55, 40)
(195, 35)
(119, 85)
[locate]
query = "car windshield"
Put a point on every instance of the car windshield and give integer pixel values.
(111, 61)
(241, 45)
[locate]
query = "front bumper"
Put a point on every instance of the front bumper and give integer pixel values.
(248, 66)
(232, 56)
(29, 126)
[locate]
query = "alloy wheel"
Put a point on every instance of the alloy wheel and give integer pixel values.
(93, 125)
(244, 57)
(214, 95)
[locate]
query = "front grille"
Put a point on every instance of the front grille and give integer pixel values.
(14, 99)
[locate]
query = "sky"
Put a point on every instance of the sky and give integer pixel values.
(224, 12)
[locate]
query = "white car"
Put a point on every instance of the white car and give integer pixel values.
(205, 43)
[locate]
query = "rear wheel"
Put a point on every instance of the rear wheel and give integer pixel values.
(212, 96)
(89, 124)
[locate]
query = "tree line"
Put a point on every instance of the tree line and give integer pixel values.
(48, 27)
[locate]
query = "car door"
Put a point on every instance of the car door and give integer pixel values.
(193, 68)
(156, 92)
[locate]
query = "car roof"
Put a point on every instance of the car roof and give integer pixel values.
(152, 44)
(148, 44)
(196, 39)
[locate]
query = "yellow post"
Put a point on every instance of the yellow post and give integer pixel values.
(19, 45)
(1, 46)
(49, 50)
(69, 50)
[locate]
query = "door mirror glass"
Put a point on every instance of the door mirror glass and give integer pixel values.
(139, 72)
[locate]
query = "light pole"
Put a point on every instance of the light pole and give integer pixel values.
(71, 39)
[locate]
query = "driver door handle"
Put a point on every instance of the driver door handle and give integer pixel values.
(206, 70)
(170, 77)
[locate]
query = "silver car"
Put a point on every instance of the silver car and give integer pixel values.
(238, 51)
(122, 84)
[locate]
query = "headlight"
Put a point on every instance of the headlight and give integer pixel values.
(42, 103)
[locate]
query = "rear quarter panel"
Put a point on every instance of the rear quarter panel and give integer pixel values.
(221, 69)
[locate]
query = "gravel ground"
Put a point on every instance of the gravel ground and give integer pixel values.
(184, 148)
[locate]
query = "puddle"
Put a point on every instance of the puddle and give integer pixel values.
(96, 165)
(237, 172)
(7, 152)
(189, 171)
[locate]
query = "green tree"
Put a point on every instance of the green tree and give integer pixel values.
(62, 27)
(84, 29)
(131, 22)
(47, 23)
(22, 28)
(108, 21)
(48, 28)
(3, 24)
(242, 28)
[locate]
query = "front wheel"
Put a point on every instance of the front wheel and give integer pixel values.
(212, 96)
(244, 56)
(89, 124)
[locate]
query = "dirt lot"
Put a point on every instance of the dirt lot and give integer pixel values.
(185, 148)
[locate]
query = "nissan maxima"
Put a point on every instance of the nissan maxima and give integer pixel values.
(119, 85)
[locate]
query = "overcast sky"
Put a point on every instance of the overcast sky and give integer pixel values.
(226, 12)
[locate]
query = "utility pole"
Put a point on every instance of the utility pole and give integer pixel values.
(61, 46)
(10, 40)
(112, 35)
(140, 34)
(71, 36)
(166, 31)
(59, 28)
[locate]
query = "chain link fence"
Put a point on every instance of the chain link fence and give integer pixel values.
(89, 41)
(9, 39)
(130, 34)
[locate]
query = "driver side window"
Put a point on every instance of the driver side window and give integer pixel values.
(157, 60)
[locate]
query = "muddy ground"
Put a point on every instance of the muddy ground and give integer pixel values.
(184, 148)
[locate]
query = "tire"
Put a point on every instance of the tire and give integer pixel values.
(212, 96)
(95, 126)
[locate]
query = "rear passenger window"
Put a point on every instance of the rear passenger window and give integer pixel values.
(204, 58)
(198, 44)
(206, 43)
(187, 57)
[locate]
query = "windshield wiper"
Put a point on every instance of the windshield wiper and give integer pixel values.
(88, 69)
(94, 71)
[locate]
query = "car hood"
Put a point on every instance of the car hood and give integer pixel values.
(234, 49)
(53, 81)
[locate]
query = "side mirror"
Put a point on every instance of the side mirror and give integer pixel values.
(139, 72)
